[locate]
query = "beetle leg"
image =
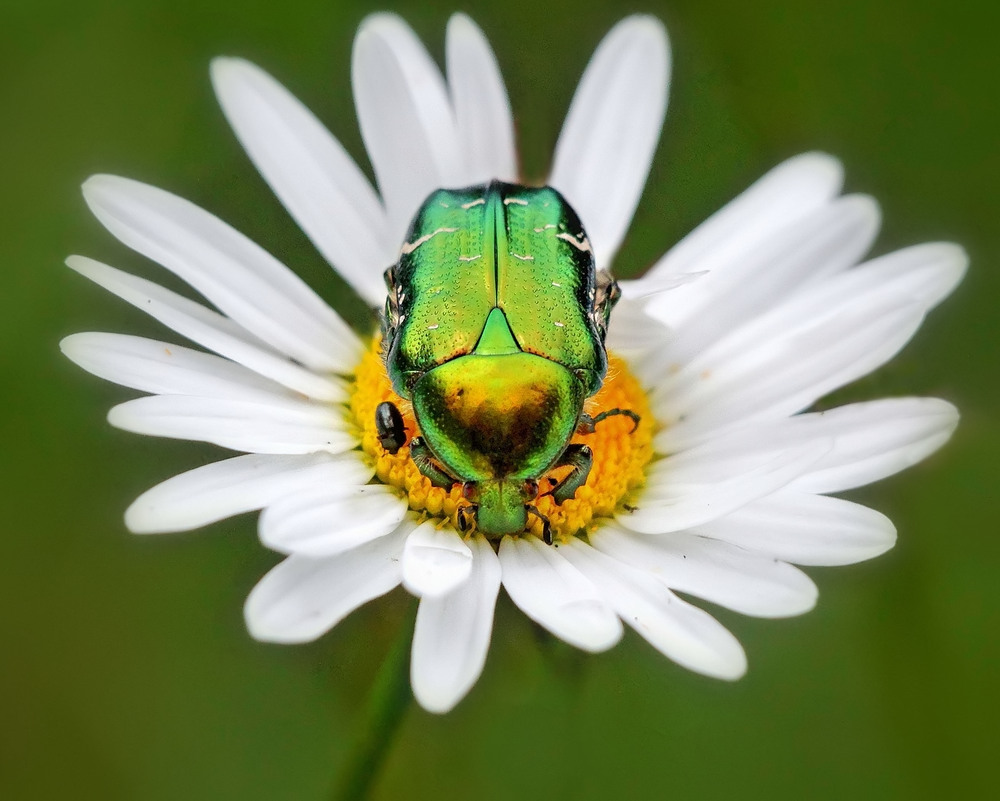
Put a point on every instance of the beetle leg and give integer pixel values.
(389, 426)
(580, 457)
(587, 423)
(466, 516)
(428, 465)
(546, 525)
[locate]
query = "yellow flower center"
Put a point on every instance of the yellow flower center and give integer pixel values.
(620, 454)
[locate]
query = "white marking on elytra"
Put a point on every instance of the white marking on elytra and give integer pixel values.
(443, 205)
(522, 258)
(579, 244)
(432, 327)
(545, 228)
(508, 200)
(556, 283)
(470, 258)
(409, 247)
(560, 325)
(470, 204)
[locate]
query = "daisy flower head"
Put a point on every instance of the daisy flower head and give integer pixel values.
(593, 458)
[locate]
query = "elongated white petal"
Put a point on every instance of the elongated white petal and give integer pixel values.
(638, 338)
(805, 529)
(288, 426)
(331, 519)
(239, 277)
(482, 111)
(452, 634)
(303, 597)
(686, 634)
(789, 192)
(230, 487)
(310, 172)
(405, 116)
(435, 560)
(649, 285)
(823, 338)
(611, 130)
(789, 362)
(831, 239)
(165, 368)
(554, 594)
(702, 484)
(208, 328)
(869, 441)
(737, 579)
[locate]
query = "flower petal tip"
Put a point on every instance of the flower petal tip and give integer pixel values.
(461, 23)
(224, 70)
(435, 697)
(382, 23)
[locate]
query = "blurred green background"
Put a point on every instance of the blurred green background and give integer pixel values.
(125, 669)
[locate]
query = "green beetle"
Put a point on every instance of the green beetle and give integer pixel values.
(494, 329)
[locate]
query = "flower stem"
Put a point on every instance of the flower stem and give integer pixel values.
(387, 704)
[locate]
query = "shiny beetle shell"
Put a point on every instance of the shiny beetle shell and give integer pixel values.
(494, 329)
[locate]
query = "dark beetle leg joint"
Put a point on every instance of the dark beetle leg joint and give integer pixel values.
(466, 516)
(389, 426)
(581, 459)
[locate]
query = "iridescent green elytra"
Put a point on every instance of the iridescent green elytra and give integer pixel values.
(494, 330)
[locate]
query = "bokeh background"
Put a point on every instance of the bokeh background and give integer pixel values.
(125, 669)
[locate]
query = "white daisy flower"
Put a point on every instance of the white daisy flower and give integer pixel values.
(723, 486)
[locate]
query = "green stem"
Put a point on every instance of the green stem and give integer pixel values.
(387, 705)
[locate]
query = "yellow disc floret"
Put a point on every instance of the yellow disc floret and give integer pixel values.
(620, 453)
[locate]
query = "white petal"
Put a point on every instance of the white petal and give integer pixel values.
(164, 368)
(781, 368)
(289, 426)
(716, 571)
(482, 111)
(869, 440)
(302, 597)
(611, 130)
(686, 634)
(310, 172)
(554, 594)
(406, 118)
(638, 338)
(823, 338)
(435, 560)
(241, 484)
(715, 479)
(208, 328)
(649, 285)
(452, 634)
(789, 192)
(806, 529)
(828, 241)
(240, 278)
(331, 519)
